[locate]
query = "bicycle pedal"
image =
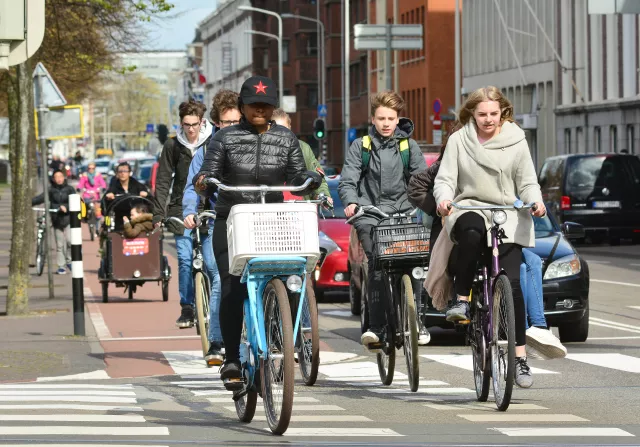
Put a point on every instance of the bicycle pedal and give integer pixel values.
(233, 384)
(463, 322)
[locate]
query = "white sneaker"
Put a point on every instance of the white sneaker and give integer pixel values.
(368, 338)
(547, 344)
(424, 337)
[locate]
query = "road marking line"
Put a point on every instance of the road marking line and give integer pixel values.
(66, 393)
(34, 430)
(354, 371)
(634, 307)
(70, 407)
(511, 417)
(438, 391)
(186, 362)
(635, 265)
(465, 361)
(73, 418)
(614, 338)
(628, 284)
(341, 432)
(398, 383)
(78, 445)
(329, 357)
(321, 418)
(28, 386)
(481, 406)
(338, 313)
(100, 374)
(199, 382)
(102, 330)
(167, 337)
(611, 326)
(97, 399)
(563, 431)
(370, 378)
(615, 323)
(301, 408)
(228, 400)
(620, 362)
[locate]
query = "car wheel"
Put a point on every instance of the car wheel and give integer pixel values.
(364, 302)
(576, 331)
(354, 297)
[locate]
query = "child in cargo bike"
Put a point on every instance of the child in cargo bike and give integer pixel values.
(376, 171)
(140, 223)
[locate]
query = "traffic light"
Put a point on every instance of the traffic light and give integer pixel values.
(319, 129)
(163, 133)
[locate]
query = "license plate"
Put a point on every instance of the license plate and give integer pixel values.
(606, 204)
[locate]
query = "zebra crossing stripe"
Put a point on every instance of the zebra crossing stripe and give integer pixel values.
(340, 432)
(301, 408)
(580, 432)
(465, 361)
(65, 393)
(321, 418)
(73, 418)
(514, 417)
(82, 430)
(227, 400)
(96, 399)
(70, 407)
(66, 386)
(437, 391)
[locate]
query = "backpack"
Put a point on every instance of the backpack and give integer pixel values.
(403, 148)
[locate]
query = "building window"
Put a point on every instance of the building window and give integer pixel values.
(579, 142)
(613, 139)
(567, 141)
(265, 60)
(631, 139)
(312, 44)
(312, 97)
(597, 138)
(285, 52)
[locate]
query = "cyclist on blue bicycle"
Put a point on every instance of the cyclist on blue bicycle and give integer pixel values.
(488, 162)
(376, 171)
(255, 152)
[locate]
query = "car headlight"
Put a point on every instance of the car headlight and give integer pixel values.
(499, 217)
(565, 266)
(327, 243)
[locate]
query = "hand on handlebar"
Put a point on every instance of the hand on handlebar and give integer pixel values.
(444, 208)
(144, 193)
(538, 209)
(190, 221)
(110, 196)
(350, 210)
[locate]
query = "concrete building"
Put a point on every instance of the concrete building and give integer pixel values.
(573, 77)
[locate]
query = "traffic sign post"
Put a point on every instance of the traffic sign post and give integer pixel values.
(437, 122)
(322, 110)
(151, 128)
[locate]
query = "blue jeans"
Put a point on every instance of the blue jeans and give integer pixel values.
(215, 335)
(531, 283)
(184, 247)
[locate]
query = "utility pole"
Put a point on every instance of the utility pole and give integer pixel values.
(456, 83)
(347, 73)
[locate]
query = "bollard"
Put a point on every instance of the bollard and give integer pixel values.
(77, 269)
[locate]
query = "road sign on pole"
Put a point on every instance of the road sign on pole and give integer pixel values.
(322, 110)
(375, 37)
(352, 134)
(151, 128)
(50, 95)
(62, 122)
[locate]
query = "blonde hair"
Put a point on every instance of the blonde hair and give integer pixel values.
(280, 114)
(389, 99)
(489, 93)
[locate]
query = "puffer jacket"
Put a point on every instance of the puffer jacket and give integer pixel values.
(58, 196)
(420, 190)
(240, 156)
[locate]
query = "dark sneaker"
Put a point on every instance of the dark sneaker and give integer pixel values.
(231, 375)
(186, 319)
(215, 355)
(524, 379)
(459, 312)
(61, 271)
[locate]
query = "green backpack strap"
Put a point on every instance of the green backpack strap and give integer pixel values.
(405, 153)
(366, 152)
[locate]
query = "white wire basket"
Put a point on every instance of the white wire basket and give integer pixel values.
(273, 229)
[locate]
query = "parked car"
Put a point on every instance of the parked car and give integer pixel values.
(599, 191)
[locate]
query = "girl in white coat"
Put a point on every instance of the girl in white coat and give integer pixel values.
(488, 162)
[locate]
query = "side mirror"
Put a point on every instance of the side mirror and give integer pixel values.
(573, 230)
(112, 173)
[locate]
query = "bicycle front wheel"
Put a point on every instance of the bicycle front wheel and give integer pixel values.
(40, 256)
(309, 339)
(277, 370)
(386, 359)
(246, 405)
(410, 333)
(503, 349)
(202, 309)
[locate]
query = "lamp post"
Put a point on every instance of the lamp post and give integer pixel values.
(321, 60)
(272, 36)
(108, 136)
(279, 38)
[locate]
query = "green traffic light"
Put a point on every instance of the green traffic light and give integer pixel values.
(320, 134)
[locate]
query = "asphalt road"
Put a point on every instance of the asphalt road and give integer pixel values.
(590, 398)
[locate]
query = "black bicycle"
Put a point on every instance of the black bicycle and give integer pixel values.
(401, 251)
(41, 243)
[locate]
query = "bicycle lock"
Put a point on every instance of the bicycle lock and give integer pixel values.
(77, 269)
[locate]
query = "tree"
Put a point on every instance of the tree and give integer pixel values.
(81, 37)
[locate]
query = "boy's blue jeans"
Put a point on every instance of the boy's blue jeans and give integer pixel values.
(214, 277)
(531, 283)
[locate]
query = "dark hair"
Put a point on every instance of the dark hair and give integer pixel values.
(456, 126)
(142, 207)
(124, 163)
(191, 107)
(223, 101)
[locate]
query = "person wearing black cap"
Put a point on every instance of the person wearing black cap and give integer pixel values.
(255, 152)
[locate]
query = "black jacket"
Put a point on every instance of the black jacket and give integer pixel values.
(420, 190)
(58, 196)
(135, 187)
(175, 158)
(240, 156)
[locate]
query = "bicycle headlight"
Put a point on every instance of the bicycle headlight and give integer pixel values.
(565, 266)
(197, 263)
(499, 217)
(136, 274)
(417, 272)
(294, 283)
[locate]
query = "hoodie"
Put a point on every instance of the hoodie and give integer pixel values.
(496, 172)
(383, 184)
(206, 131)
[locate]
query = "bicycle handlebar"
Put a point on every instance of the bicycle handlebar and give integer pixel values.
(517, 205)
(257, 188)
(199, 220)
(374, 211)
(51, 210)
(321, 200)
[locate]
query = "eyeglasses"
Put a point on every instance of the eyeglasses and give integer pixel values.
(229, 123)
(91, 168)
(190, 126)
(123, 172)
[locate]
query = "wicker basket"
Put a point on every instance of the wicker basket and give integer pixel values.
(400, 242)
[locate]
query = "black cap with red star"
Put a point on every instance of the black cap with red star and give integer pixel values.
(258, 89)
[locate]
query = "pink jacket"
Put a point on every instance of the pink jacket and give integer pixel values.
(92, 191)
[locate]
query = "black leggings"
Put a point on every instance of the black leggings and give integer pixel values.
(233, 293)
(471, 236)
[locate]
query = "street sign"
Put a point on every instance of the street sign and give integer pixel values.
(151, 128)
(289, 104)
(402, 37)
(377, 43)
(51, 94)
(322, 110)
(437, 106)
(62, 122)
(352, 134)
(412, 30)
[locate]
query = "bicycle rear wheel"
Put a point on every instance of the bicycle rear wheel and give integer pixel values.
(309, 339)
(246, 405)
(40, 256)
(410, 333)
(478, 343)
(201, 284)
(503, 349)
(386, 359)
(277, 370)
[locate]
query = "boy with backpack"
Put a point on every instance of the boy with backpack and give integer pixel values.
(376, 171)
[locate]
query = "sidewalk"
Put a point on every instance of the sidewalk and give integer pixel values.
(41, 344)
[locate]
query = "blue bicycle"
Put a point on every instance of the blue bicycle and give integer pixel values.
(273, 247)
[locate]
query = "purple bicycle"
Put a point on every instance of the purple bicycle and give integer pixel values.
(491, 332)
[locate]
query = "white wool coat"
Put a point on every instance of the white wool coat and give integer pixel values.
(497, 172)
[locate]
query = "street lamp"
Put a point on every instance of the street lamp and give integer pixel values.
(279, 37)
(321, 60)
